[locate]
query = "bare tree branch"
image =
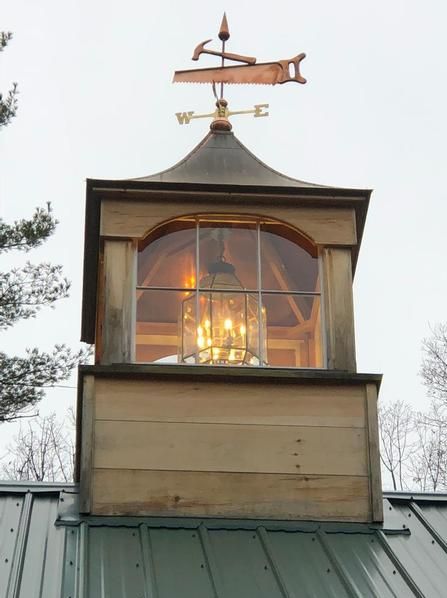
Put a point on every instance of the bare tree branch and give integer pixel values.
(43, 450)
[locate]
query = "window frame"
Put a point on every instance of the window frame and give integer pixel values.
(258, 221)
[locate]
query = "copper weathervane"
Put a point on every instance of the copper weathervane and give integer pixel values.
(248, 73)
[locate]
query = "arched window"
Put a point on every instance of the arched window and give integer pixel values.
(228, 291)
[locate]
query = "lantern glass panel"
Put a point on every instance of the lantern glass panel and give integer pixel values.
(158, 327)
(168, 258)
(293, 330)
(239, 243)
(285, 264)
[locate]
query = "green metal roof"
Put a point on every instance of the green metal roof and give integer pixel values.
(48, 551)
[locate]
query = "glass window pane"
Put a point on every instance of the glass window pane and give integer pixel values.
(231, 242)
(158, 322)
(288, 262)
(168, 258)
(293, 330)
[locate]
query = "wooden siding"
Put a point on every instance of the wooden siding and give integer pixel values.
(233, 449)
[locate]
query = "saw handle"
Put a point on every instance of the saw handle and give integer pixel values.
(291, 69)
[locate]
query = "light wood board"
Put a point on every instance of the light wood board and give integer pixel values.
(230, 448)
(324, 226)
(156, 400)
(165, 493)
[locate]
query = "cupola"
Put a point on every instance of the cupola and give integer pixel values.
(218, 295)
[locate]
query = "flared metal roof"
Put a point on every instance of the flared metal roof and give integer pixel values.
(48, 551)
(219, 159)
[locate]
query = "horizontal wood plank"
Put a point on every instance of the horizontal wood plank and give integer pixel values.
(328, 226)
(207, 402)
(230, 448)
(167, 493)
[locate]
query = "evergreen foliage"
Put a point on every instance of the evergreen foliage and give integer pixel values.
(23, 292)
(8, 106)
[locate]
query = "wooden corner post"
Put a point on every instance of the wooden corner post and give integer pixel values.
(118, 324)
(339, 309)
(375, 478)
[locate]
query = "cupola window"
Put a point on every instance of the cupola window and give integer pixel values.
(228, 291)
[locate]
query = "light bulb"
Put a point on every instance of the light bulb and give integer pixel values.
(228, 324)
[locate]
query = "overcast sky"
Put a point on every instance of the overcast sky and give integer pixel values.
(96, 100)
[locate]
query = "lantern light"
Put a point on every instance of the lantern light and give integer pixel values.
(221, 322)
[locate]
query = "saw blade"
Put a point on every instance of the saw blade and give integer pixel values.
(267, 73)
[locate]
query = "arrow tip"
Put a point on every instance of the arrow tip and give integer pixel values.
(224, 32)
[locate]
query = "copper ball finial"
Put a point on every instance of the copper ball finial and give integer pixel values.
(224, 32)
(221, 124)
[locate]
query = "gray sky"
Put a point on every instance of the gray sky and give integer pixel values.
(96, 100)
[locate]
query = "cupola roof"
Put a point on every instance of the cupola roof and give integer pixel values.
(220, 158)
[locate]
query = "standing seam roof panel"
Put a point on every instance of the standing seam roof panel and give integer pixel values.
(48, 551)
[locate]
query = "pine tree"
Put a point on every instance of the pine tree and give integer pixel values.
(23, 292)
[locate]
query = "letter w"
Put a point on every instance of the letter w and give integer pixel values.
(184, 117)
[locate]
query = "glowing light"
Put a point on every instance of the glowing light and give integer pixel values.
(232, 355)
(207, 324)
(200, 342)
(228, 324)
(200, 331)
(243, 329)
(209, 342)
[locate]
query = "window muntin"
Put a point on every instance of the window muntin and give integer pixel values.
(277, 270)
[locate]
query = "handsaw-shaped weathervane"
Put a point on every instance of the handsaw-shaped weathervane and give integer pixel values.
(248, 73)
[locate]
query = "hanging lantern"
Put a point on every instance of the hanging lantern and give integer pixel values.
(221, 324)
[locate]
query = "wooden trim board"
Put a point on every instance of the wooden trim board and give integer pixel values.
(325, 226)
(372, 444)
(88, 439)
